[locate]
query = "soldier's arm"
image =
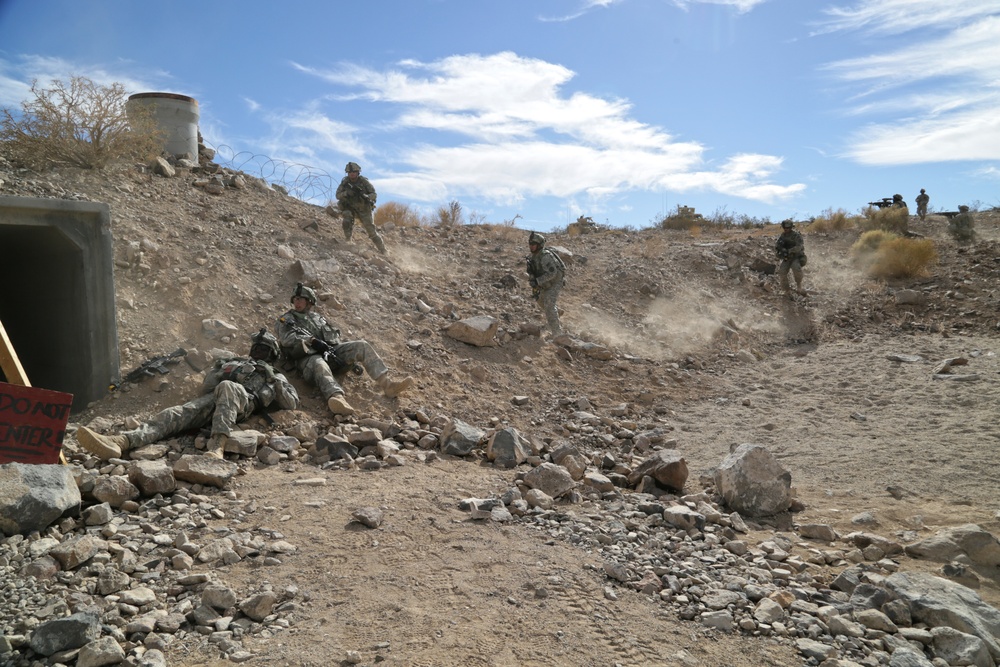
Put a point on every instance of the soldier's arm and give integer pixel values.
(549, 274)
(294, 340)
(284, 393)
(213, 376)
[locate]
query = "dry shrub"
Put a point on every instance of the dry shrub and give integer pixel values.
(904, 258)
(449, 216)
(887, 219)
(887, 256)
(81, 124)
(832, 221)
(398, 214)
(869, 242)
(695, 231)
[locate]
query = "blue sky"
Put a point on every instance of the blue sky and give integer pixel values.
(550, 109)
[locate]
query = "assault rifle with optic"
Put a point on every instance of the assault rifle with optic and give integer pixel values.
(151, 367)
(885, 203)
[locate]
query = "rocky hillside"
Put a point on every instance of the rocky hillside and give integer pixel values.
(679, 341)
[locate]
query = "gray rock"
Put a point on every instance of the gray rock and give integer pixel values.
(506, 448)
(666, 466)
(551, 479)
(752, 482)
(33, 496)
(65, 633)
(100, 652)
(152, 477)
(479, 331)
(459, 438)
(204, 470)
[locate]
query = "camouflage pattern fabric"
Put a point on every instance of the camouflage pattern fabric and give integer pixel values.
(295, 330)
(352, 203)
(223, 403)
(548, 273)
(790, 249)
(922, 201)
(962, 228)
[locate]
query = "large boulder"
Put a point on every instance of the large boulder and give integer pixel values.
(34, 496)
(752, 482)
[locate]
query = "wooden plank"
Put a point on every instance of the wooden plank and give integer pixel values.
(9, 362)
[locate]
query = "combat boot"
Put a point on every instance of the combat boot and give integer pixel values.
(393, 388)
(103, 447)
(215, 446)
(339, 406)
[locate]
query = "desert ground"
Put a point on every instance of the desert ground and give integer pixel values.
(703, 348)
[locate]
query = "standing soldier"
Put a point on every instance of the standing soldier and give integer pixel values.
(791, 250)
(233, 389)
(547, 273)
(356, 199)
(922, 200)
(314, 346)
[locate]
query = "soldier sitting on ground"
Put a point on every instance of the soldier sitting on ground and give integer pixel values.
(233, 389)
(314, 346)
(791, 250)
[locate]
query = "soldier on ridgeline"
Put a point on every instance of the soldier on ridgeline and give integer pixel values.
(791, 250)
(922, 199)
(356, 199)
(547, 274)
(961, 226)
(233, 389)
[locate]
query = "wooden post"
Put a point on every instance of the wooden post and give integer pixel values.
(12, 368)
(9, 362)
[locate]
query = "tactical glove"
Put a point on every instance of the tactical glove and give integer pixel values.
(319, 345)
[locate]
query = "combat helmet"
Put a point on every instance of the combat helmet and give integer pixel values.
(787, 224)
(535, 237)
(897, 198)
(352, 166)
(306, 292)
(262, 340)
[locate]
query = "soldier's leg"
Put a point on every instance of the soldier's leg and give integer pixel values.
(173, 420)
(368, 221)
(347, 222)
(361, 352)
(797, 272)
(783, 273)
(317, 372)
(233, 404)
(548, 298)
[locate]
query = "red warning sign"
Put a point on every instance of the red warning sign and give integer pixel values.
(32, 423)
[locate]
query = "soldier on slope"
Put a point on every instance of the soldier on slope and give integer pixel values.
(233, 389)
(356, 199)
(791, 250)
(547, 274)
(308, 340)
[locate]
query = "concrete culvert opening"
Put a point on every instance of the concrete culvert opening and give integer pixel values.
(57, 300)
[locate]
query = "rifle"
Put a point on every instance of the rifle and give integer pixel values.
(885, 203)
(339, 366)
(949, 214)
(147, 368)
(363, 195)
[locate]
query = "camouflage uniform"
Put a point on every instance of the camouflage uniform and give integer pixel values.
(922, 199)
(295, 330)
(961, 226)
(233, 390)
(351, 199)
(548, 273)
(791, 250)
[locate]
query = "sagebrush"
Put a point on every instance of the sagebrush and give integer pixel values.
(78, 124)
(886, 255)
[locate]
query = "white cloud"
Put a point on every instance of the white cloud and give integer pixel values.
(939, 93)
(899, 16)
(508, 131)
(742, 6)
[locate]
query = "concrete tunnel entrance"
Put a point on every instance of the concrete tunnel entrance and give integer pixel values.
(57, 294)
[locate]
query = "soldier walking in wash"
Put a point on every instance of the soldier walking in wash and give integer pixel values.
(791, 250)
(547, 274)
(922, 199)
(356, 200)
(308, 340)
(233, 389)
